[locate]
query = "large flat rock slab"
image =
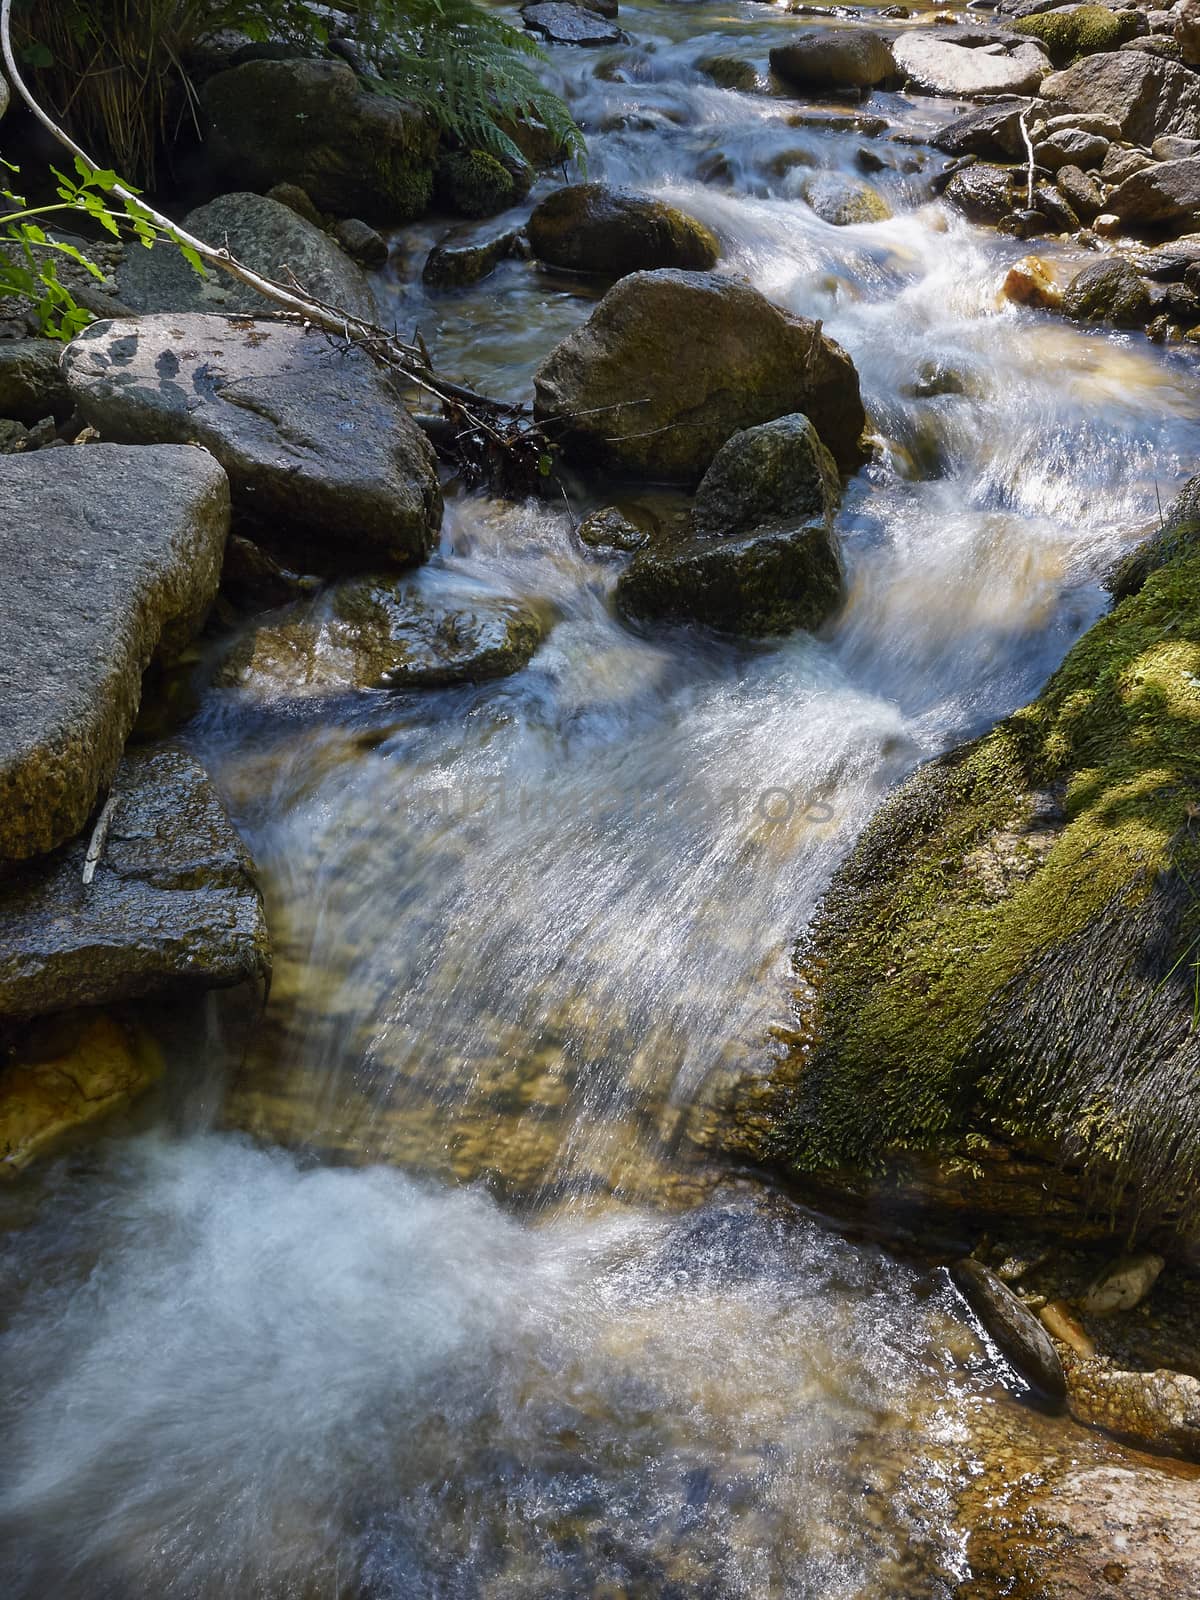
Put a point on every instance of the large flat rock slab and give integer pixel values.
(108, 553)
(172, 900)
(318, 448)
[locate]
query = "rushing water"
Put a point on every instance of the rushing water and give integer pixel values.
(522, 1337)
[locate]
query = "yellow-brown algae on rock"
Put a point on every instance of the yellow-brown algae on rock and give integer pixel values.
(65, 1072)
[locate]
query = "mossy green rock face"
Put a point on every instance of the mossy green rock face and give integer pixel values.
(312, 123)
(110, 554)
(1076, 31)
(475, 184)
(376, 634)
(1108, 291)
(671, 364)
(1009, 951)
(173, 901)
(591, 228)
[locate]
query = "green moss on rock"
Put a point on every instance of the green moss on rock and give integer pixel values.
(474, 184)
(1080, 31)
(1010, 950)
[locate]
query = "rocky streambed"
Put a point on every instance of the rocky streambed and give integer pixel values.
(413, 1098)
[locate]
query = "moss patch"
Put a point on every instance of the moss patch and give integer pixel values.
(1010, 947)
(1084, 31)
(475, 184)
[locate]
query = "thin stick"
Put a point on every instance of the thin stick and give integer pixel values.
(1029, 150)
(95, 847)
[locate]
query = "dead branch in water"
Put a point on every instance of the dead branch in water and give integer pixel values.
(495, 439)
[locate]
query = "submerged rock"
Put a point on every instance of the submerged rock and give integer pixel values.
(110, 554)
(672, 364)
(834, 58)
(1123, 1285)
(995, 972)
(611, 529)
(759, 556)
(1144, 96)
(172, 900)
(313, 124)
(844, 201)
(467, 254)
(1157, 1409)
(934, 64)
(372, 634)
(317, 447)
(589, 227)
(1018, 1333)
(66, 1073)
(266, 236)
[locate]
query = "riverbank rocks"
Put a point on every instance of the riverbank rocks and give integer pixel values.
(376, 634)
(994, 65)
(1018, 1333)
(1164, 195)
(1160, 1410)
(312, 123)
(320, 453)
(66, 1073)
(995, 971)
(1108, 291)
(758, 555)
(110, 554)
(672, 364)
(1143, 95)
(834, 58)
(589, 227)
(264, 235)
(172, 901)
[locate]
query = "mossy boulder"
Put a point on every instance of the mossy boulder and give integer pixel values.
(373, 633)
(671, 364)
(759, 555)
(313, 123)
(588, 227)
(1108, 291)
(474, 184)
(1007, 958)
(1070, 32)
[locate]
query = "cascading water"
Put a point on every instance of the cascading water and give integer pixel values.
(524, 930)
